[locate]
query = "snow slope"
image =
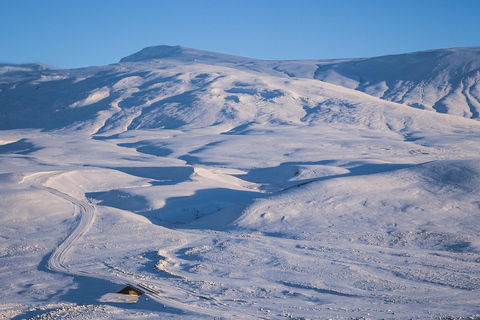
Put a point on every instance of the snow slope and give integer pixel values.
(234, 188)
(446, 81)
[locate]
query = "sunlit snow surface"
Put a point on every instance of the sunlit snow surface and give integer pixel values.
(232, 189)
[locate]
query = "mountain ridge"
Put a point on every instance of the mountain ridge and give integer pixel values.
(440, 80)
(178, 52)
(160, 94)
(175, 86)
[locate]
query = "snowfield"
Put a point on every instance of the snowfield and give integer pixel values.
(234, 188)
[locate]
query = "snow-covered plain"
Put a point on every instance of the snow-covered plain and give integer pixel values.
(235, 188)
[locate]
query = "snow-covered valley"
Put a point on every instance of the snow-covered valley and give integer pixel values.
(236, 188)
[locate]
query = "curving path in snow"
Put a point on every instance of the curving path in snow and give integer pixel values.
(85, 216)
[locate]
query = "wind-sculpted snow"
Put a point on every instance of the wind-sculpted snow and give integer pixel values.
(232, 188)
(437, 197)
(445, 81)
(173, 86)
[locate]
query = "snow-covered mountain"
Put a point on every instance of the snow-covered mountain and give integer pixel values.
(229, 187)
(446, 81)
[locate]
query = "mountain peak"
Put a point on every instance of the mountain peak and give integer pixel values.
(179, 52)
(155, 52)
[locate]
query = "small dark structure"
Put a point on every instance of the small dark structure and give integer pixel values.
(131, 290)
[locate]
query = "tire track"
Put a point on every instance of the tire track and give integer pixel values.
(85, 216)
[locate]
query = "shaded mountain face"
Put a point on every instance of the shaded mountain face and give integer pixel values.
(171, 87)
(446, 81)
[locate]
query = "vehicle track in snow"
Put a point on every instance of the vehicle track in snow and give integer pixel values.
(84, 218)
(85, 214)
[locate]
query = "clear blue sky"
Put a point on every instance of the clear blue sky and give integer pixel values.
(70, 34)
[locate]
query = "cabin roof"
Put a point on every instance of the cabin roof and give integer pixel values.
(131, 290)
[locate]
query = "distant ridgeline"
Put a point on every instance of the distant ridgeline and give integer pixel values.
(174, 86)
(445, 80)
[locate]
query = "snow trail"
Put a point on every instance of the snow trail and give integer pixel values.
(85, 216)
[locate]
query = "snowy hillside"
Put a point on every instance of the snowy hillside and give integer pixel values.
(234, 188)
(446, 81)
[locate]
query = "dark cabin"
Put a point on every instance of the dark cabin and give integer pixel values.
(131, 290)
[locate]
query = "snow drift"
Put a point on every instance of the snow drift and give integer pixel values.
(230, 187)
